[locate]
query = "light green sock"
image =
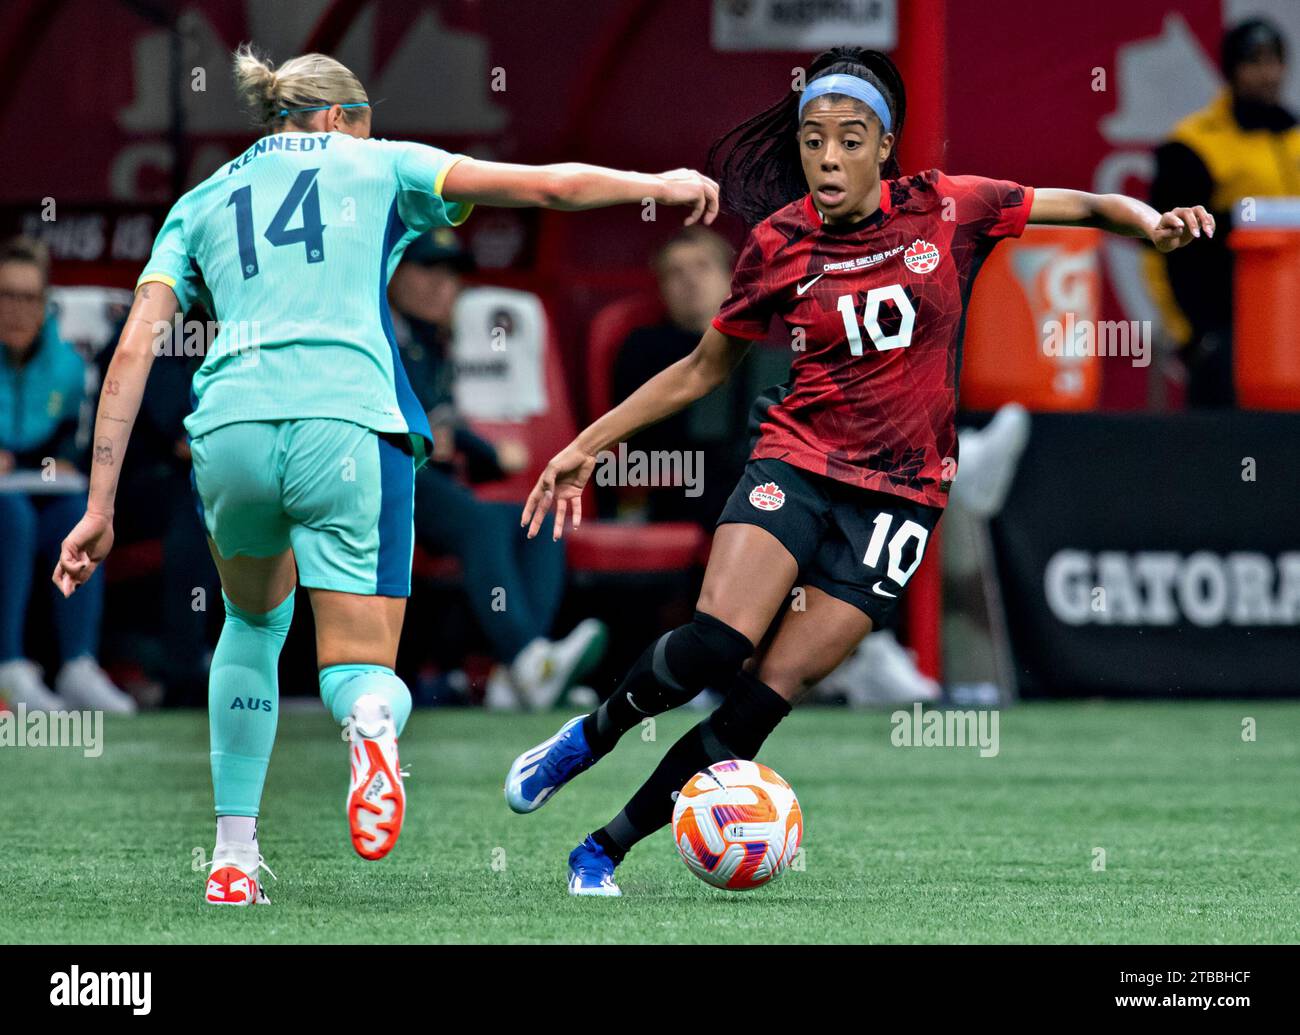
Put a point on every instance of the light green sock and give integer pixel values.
(341, 685)
(244, 704)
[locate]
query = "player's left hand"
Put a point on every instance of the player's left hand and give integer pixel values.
(86, 545)
(1181, 226)
(561, 485)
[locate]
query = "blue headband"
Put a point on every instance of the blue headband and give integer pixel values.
(848, 86)
(324, 107)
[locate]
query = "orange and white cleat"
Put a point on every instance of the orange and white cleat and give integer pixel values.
(376, 803)
(234, 877)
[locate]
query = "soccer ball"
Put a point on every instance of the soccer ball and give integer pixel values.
(737, 825)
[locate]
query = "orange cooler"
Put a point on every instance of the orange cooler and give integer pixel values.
(1266, 315)
(1033, 293)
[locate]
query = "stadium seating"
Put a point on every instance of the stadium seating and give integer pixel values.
(88, 316)
(609, 329)
(660, 546)
(597, 547)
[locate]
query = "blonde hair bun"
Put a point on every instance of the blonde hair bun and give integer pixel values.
(301, 82)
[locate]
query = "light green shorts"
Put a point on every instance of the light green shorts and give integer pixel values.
(340, 494)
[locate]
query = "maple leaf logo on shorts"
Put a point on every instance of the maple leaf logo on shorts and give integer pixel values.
(767, 497)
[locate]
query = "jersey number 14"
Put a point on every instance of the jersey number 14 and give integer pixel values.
(305, 194)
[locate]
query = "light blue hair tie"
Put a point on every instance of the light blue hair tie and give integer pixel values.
(323, 107)
(848, 86)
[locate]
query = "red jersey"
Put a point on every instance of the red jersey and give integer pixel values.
(875, 312)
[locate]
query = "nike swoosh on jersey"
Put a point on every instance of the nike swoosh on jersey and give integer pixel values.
(801, 288)
(883, 592)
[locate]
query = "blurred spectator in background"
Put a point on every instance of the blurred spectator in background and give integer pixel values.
(1245, 144)
(694, 271)
(42, 492)
(498, 562)
(156, 501)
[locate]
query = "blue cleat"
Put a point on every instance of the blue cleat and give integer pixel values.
(542, 770)
(591, 871)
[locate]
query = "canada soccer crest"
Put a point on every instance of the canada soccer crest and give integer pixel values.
(767, 497)
(922, 256)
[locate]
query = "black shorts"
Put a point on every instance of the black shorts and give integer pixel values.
(857, 545)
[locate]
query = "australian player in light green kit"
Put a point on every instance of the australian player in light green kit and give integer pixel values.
(305, 433)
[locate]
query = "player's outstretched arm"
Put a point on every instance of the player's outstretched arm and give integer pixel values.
(119, 403)
(1055, 206)
(669, 391)
(570, 186)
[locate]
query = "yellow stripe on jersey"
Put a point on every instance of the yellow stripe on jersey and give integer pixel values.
(437, 189)
(155, 278)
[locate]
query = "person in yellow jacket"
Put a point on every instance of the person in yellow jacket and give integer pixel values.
(1245, 144)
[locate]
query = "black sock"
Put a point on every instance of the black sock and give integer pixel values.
(612, 848)
(671, 671)
(746, 717)
(616, 715)
(736, 729)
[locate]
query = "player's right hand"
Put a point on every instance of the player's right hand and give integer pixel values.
(687, 187)
(560, 484)
(85, 546)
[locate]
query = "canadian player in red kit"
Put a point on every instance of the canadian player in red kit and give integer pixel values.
(893, 287)
(869, 272)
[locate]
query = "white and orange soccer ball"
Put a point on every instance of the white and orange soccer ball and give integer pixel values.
(737, 825)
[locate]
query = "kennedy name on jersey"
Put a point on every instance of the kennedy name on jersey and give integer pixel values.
(281, 142)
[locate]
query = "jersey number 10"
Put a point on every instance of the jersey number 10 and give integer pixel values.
(871, 319)
(303, 193)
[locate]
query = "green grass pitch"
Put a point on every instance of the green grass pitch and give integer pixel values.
(1199, 828)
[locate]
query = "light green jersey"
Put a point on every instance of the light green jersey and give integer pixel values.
(290, 247)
